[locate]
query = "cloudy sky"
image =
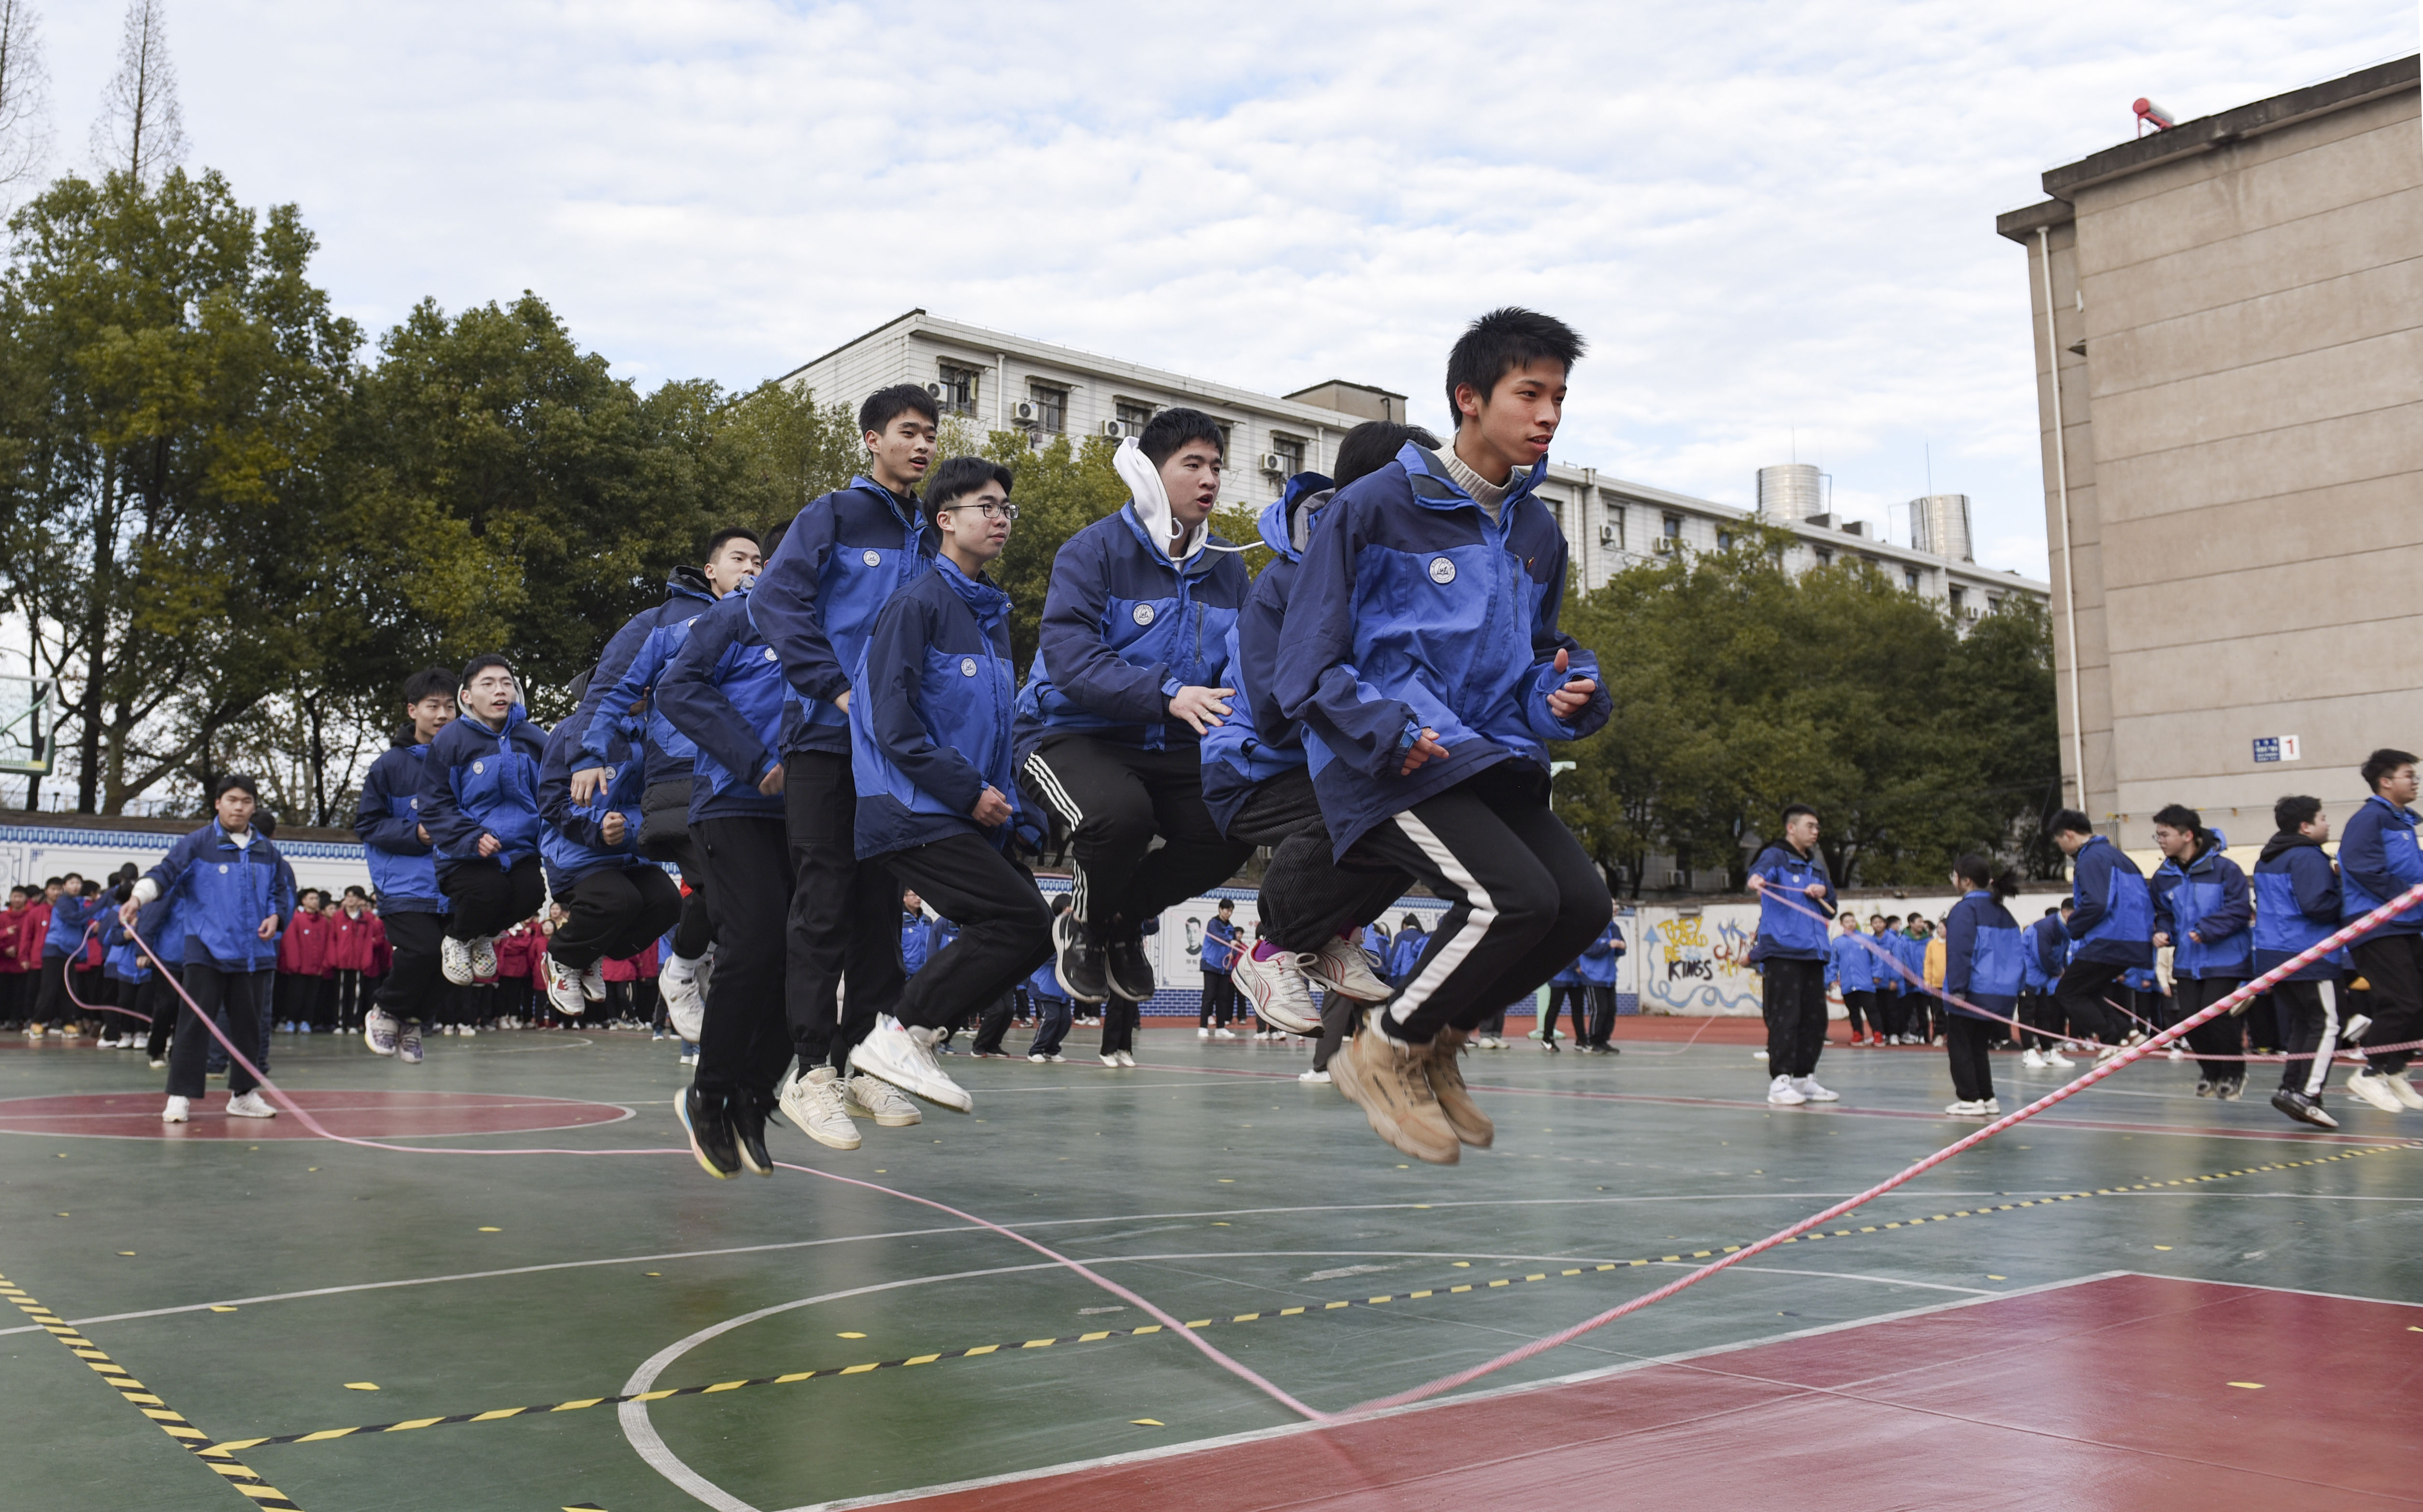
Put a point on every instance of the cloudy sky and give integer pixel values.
(1774, 221)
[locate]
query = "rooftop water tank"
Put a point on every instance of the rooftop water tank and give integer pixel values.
(1791, 491)
(1939, 524)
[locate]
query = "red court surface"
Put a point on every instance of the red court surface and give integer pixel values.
(362, 1115)
(2122, 1391)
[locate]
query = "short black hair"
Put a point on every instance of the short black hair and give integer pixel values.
(266, 823)
(1793, 810)
(2295, 812)
(1226, 906)
(1502, 341)
(2180, 816)
(1373, 446)
(1978, 872)
(2068, 903)
(716, 542)
(430, 682)
(482, 663)
(356, 891)
(1411, 923)
(886, 406)
(2381, 763)
(1169, 431)
(231, 782)
(2071, 822)
(955, 477)
(2056, 909)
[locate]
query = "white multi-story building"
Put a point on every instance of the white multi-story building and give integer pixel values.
(1006, 382)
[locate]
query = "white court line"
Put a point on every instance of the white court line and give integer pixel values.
(651, 1447)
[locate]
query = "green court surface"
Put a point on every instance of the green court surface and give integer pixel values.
(239, 1285)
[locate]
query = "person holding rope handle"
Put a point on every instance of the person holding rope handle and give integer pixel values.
(232, 893)
(2113, 923)
(1791, 950)
(2296, 906)
(2378, 861)
(1983, 966)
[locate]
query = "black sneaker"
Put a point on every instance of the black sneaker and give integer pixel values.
(704, 1117)
(1077, 961)
(2228, 1088)
(1130, 974)
(746, 1115)
(2304, 1110)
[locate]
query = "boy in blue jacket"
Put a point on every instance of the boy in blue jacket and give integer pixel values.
(839, 561)
(2202, 911)
(1791, 949)
(232, 893)
(936, 770)
(1852, 971)
(1257, 780)
(2378, 861)
(1130, 673)
(2046, 951)
(479, 800)
(2297, 907)
(615, 900)
(1982, 963)
(1221, 950)
(403, 871)
(1598, 968)
(2111, 921)
(1053, 1010)
(63, 950)
(1421, 651)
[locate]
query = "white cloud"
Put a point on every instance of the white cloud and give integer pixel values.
(1767, 217)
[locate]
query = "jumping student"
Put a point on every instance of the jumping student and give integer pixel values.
(2112, 925)
(1852, 971)
(479, 799)
(840, 560)
(1982, 965)
(1221, 942)
(404, 872)
(2047, 945)
(626, 672)
(1420, 650)
(2202, 909)
(2378, 861)
(1792, 949)
(1258, 782)
(1130, 672)
(934, 764)
(616, 901)
(232, 894)
(2297, 907)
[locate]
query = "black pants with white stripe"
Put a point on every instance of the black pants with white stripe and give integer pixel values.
(2313, 1012)
(1524, 898)
(1306, 898)
(1116, 800)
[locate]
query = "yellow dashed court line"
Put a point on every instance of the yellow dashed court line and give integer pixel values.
(260, 1492)
(977, 1351)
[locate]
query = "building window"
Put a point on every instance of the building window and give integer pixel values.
(1825, 556)
(1133, 415)
(1611, 533)
(1674, 529)
(1724, 541)
(1051, 407)
(1290, 450)
(1909, 578)
(958, 396)
(1959, 597)
(1228, 441)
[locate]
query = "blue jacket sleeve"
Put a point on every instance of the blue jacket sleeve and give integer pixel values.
(170, 874)
(602, 721)
(1081, 665)
(382, 823)
(1546, 640)
(2317, 885)
(1834, 964)
(612, 664)
(1256, 640)
(284, 893)
(1960, 950)
(689, 696)
(2091, 884)
(784, 606)
(577, 823)
(2160, 884)
(1318, 683)
(2236, 911)
(895, 664)
(449, 827)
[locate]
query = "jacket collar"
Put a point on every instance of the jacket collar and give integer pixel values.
(1433, 487)
(1200, 554)
(989, 604)
(2404, 816)
(1285, 522)
(903, 510)
(687, 581)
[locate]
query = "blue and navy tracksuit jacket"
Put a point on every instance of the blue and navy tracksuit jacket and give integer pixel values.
(404, 867)
(724, 689)
(1984, 958)
(69, 917)
(1124, 628)
(2378, 861)
(930, 724)
(2114, 917)
(2207, 898)
(476, 781)
(627, 674)
(124, 960)
(1416, 609)
(1784, 932)
(1598, 964)
(2296, 906)
(1405, 951)
(1849, 968)
(2048, 952)
(840, 562)
(916, 941)
(1257, 742)
(1221, 942)
(221, 892)
(573, 845)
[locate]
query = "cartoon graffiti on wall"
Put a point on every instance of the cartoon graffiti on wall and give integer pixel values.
(1701, 964)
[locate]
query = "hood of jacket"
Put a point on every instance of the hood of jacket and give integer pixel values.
(688, 581)
(1285, 522)
(2282, 844)
(989, 604)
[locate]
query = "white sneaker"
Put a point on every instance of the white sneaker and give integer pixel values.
(250, 1105)
(864, 1096)
(685, 999)
(1319, 1079)
(2403, 1089)
(1039, 1060)
(2373, 1088)
(1341, 967)
(1758, 1055)
(592, 983)
(1992, 1107)
(2033, 1059)
(812, 1103)
(2058, 1060)
(1224, 1034)
(455, 960)
(692, 1058)
(562, 988)
(1807, 1087)
(1279, 989)
(1202, 1033)
(1783, 1093)
(1964, 1110)
(178, 1111)
(905, 1058)
(2178, 1054)
(467, 1030)
(1110, 1060)
(1127, 1059)
(483, 956)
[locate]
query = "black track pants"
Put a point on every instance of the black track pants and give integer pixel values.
(2393, 968)
(486, 898)
(614, 912)
(2224, 1035)
(843, 940)
(1306, 898)
(1115, 800)
(1004, 929)
(1972, 1069)
(2313, 1013)
(1794, 1001)
(245, 996)
(2084, 986)
(414, 987)
(745, 1042)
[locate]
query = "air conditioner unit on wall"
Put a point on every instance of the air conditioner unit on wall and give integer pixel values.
(1273, 462)
(934, 389)
(1114, 429)
(1666, 544)
(1607, 535)
(1026, 412)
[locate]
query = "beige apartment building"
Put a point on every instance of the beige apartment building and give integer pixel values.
(2229, 364)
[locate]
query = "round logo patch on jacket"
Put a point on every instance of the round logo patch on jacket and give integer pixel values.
(873, 558)
(222, 868)
(967, 667)
(770, 653)
(1442, 571)
(1144, 614)
(478, 767)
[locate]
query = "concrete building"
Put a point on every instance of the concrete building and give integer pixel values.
(2230, 359)
(1004, 382)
